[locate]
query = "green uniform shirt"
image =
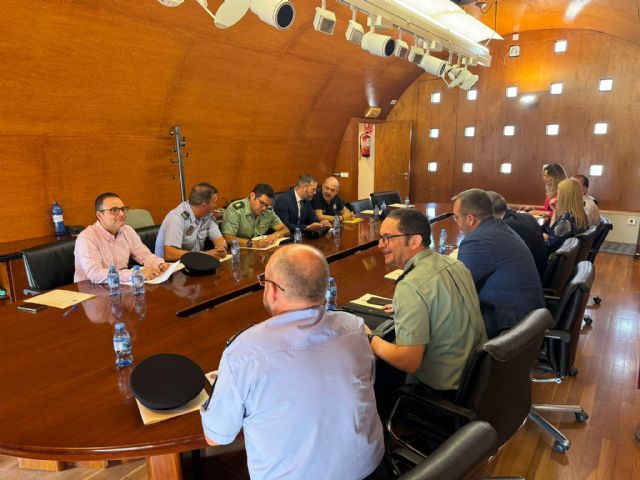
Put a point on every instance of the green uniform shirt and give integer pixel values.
(436, 305)
(239, 221)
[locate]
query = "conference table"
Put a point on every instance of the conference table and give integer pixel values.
(63, 398)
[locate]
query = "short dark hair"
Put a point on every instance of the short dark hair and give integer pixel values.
(263, 189)
(584, 180)
(476, 202)
(102, 197)
(305, 179)
(303, 270)
(201, 193)
(498, 202)
(413, 221)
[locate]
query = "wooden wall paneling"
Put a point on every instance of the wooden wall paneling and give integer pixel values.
(347, 161)
(393, 157)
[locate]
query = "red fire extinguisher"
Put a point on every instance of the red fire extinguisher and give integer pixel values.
(365, 144)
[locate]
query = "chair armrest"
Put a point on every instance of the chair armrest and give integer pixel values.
(444, 406)
(563, 336)
(551, 302)
(32, 291)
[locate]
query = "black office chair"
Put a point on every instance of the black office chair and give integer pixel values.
(49, 266)
(387, 197)
(495, 387)
(560, 348)
(358, 206)
(603, 230)
(586, 243)
(148, 235)
(463, 456)
(560, 267)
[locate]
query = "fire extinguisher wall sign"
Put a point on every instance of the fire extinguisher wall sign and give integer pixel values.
(365, 140)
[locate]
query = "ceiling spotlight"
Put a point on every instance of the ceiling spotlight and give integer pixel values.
(229, 13)
(355, 31)
(462, 77)
(380, 45)
(402, 47)
(416, 54)
(324, 20)
(434, 66)
(277, 13)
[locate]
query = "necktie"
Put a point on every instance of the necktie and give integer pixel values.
(299, 210)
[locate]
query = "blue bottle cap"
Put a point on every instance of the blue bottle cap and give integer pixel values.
(119, 326)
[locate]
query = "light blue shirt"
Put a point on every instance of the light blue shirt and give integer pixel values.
(181, 229)
(300, 385)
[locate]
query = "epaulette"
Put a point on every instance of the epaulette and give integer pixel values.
(238, 205)
(185, 215)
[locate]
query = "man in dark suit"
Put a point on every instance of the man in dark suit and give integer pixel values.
(294, 207)
(525, 226)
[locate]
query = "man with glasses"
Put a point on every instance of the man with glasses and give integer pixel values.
(502, 265)
(187, 227)
(253, 217)
(300, 384)
(294, 207)
(327, 204)
(436, 311)
(110, 241)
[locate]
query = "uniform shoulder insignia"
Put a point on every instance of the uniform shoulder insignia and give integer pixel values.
(185, 215)
(238, 205)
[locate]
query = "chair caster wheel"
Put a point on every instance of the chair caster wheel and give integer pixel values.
(559, 448)
(573, 372)
(597, 300)
(582, 417)
(588, 320)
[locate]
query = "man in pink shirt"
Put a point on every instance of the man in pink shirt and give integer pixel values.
(110, 241)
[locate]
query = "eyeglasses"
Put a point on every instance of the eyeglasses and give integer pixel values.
(263, 204)
(115, 210)
(385, 238)
(263, 281)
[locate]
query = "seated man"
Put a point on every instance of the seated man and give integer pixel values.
(524, 225)
(437, 316)
(294, 207)
(327, 204)
(591, 210)
(251, 217)
(187, 227)
(502, 266)
(110, 241)
(300, 384)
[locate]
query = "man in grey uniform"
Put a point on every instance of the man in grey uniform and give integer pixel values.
(253, 217)
(187, 227)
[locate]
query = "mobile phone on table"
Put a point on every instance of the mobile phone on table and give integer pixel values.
(32, 307)
(379, 301)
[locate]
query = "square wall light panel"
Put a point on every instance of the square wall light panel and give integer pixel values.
(432, 167)
(434, 133)
(595, 170)
(509, 130)
(505, 168)
(600, 128)
(606, 85)
(472, 95)
(469, 131)
(435, 97)
(555, 88)
(560, 46)
(467, 167)
(553, 129)
(512, 92)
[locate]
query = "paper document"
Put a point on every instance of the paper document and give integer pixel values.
(60, 298)
(224, 259)
(400, 205)
(164, 276)
(353, 220)
(367, 212)
(363, 301)
(260, 237)
(394, 275)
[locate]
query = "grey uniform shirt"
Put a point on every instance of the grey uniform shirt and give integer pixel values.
(181, 229)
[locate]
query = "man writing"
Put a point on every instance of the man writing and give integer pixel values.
(294, 207)
(300, 384)
(252, 217)
(437, 317)
(327, 204)
(110, 241)
(187, 227)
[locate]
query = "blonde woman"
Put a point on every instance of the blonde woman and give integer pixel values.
(569, 218)
(552, 175)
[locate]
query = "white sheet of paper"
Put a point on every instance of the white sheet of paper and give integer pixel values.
(164, 276)
(400, 205)
(260, 237)
(60, 298)
(363, 301)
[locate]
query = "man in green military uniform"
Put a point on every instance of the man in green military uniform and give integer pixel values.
(253, 217)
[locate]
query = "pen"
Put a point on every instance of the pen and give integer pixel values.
(73, 307)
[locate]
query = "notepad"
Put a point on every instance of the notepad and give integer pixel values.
(400, 205)
(164, 276)
(353, 220)
(260, 237)
(60, 298)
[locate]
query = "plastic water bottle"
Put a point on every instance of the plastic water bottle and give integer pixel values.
(383, 207)
(235, 252)
(407, 202)
(113, 280)
(336, 224)
(58, 221)
(137, 280)
(331, 296)
(122, 346)
(443, 241)
(376, 212)
(297, 236)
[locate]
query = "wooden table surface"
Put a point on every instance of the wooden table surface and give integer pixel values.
(64, 399)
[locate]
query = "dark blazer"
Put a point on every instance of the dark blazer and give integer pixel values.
(286, 207)
(531, 233)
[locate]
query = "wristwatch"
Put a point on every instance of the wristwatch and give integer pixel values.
(370, 336)
(250, 243)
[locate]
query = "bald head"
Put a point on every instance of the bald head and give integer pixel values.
(302, 271)
(330, 188)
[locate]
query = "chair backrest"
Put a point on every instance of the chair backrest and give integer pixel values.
(496, 383)
(603, 230)
(50, 266)
(138, 218)
(148, 236)
(568, 317)
(586, 243)
(463, 456)
(388, 197)
(560, 267)
(358, 206)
